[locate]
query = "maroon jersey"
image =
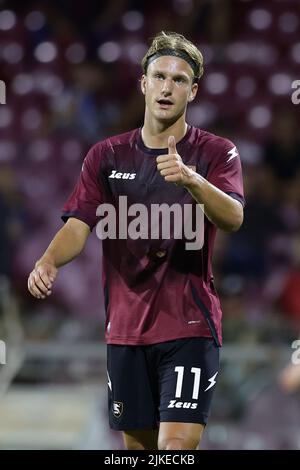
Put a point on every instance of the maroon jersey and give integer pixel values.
(156, 290)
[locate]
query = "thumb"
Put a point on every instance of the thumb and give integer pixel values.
(172, 144)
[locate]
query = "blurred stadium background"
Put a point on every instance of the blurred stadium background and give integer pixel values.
(71, 71)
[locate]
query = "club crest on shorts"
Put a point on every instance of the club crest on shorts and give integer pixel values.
(117, 409)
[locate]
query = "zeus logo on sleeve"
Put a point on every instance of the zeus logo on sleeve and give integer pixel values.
(232, 154)
(123, 176)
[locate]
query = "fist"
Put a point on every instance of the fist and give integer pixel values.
(40, 280)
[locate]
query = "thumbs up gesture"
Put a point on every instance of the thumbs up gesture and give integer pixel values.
(172, 145)
(171, 166)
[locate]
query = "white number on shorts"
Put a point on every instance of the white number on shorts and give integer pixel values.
(180, 372)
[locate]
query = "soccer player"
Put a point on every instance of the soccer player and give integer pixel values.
(163, 316)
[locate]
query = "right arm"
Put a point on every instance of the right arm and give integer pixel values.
(67, 244)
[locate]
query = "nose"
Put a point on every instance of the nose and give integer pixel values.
(167, 87)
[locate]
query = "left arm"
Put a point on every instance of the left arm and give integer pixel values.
(220, 208)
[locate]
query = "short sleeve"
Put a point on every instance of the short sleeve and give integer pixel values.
(226, 174)
(86, 196)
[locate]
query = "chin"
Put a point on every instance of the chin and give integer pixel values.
(166, 116)
(166, 120)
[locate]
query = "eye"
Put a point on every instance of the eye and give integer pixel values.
(159, 76)
(179, 80)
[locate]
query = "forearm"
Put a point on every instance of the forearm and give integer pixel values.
(220, 208)
(65, 246)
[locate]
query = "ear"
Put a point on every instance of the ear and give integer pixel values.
(143, 84)
(193, 92)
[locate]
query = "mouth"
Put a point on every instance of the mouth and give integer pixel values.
(164, 103)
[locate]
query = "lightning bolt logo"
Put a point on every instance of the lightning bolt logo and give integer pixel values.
(233, 153)
(109, 381)
(212, 381)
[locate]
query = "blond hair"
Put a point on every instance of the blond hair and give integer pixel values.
(177, 45)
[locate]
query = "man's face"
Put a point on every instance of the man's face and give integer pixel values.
(168, 88)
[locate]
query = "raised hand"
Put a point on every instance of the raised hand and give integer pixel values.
(171, 166)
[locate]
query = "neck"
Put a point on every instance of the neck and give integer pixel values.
(155, 134)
